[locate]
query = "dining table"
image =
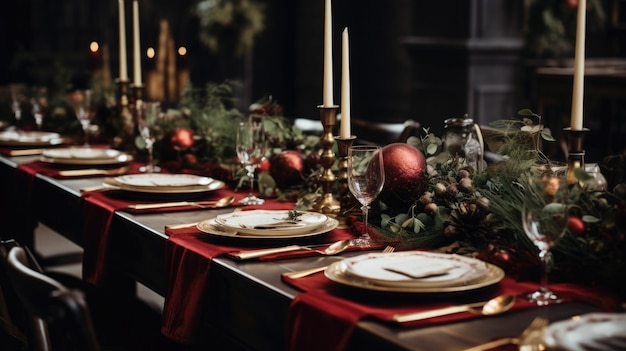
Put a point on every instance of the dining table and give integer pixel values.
(213, 298)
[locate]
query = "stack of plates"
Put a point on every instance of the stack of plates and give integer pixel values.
(85, 156)
(29, 139)
(415, 271)
(162, 183)
(268, 224)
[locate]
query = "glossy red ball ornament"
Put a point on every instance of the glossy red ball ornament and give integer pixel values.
(180, 138)
(264, 166)
(286, 168)
(175, 141)
(405, 175)
(576, 226)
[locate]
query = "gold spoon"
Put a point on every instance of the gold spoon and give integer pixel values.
(333, 249)
(223, 202)
(497, 305)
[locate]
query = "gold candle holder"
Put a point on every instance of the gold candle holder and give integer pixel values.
(123, 87)
(327, 204)
(576, 151)
(343, 145)
(125, 139)
(138, 93)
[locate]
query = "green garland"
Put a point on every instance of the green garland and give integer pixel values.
(465, 211)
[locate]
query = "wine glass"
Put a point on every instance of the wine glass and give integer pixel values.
(544, 218)
(366, 177)
(147, 114)
(81, 101)
(250, 150)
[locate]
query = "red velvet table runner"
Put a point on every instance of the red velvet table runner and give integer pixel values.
(99, 208)
(324, 316)
(189, 256)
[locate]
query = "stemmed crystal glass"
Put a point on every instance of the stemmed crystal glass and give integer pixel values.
(82, 107)
(544, 218)
(366, 177)
(147, 114)
(250, 150)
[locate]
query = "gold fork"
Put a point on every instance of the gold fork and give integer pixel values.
(536, 326)
(306, 272)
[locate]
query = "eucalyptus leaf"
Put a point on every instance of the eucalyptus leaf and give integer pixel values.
(590, 219)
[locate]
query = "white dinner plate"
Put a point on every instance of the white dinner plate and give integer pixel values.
(271, 222)
(85, 156)
(29, 138)
(337, 272)
(211, 227)
(591, 331)
(162, 183)
(416, 269)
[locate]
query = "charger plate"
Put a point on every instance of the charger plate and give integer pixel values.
(337, 272)
(212, 228)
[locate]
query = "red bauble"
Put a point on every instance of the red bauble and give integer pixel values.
(180, 138)
(174, 141)
(576, 226)
(405, 175)
(286, 168)
(264, 166)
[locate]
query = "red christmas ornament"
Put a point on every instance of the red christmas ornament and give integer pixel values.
(176, 140)
(576, 226)
(286, 168)
(264, 166)
(180, 138)
(405, 175)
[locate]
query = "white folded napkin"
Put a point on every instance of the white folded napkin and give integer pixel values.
(416, 270)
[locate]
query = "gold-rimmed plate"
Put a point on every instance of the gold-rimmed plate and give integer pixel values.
(338, 273)
(416, 269)
(85, 156)
(213, 228)
(156, 183)
(29, 138)
(271, 222)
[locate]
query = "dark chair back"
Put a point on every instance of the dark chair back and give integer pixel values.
(19, 329)
(64, 310)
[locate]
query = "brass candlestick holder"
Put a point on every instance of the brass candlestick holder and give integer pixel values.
(125, 139)
(327, 204)
(576, 151)
(138, 93)
(343, 145)
(123, 87)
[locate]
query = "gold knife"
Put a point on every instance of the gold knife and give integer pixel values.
(26, 152)
(247, 254)
(92, 172)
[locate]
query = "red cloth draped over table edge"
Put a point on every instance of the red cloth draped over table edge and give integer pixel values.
(188, 261)
(22, 220)
(325, 314)
(99, 209)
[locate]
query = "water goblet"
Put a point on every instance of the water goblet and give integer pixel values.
(81, 101)
(147, 114)
(250, 150)
(366, 177)
(544, 219)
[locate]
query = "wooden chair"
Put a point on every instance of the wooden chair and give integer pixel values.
(64, 310)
